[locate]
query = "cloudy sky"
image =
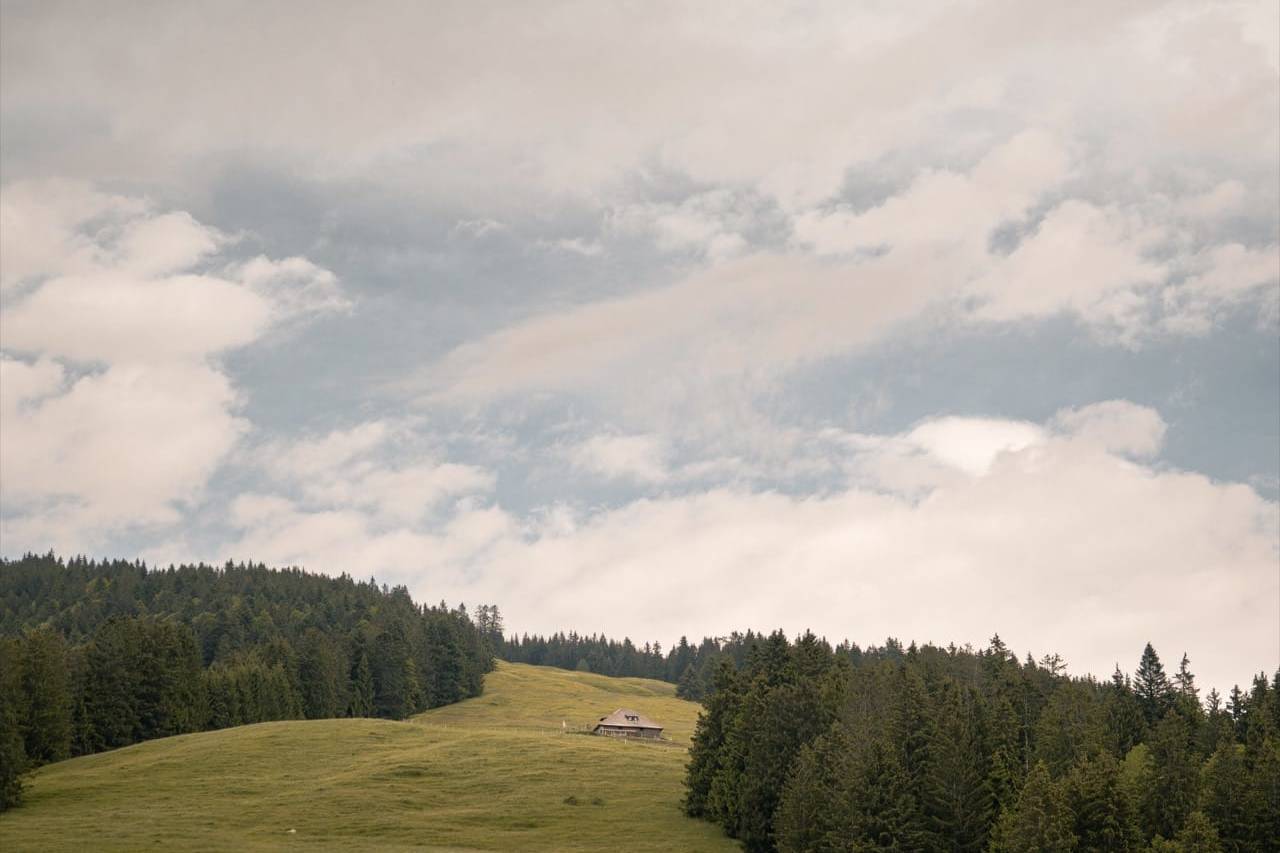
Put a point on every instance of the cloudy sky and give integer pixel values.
(928, 320)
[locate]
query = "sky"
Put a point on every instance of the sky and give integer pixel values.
(928, 320)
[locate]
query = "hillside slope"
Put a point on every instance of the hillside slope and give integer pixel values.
(490, 773)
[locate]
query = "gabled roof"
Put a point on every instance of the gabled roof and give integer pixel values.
(627, 718)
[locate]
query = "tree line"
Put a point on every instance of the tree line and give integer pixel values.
(99, 655)
(687, 666)
(805, 747)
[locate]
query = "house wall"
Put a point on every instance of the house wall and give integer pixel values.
(627, 731)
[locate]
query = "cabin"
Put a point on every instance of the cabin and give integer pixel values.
(627, 723)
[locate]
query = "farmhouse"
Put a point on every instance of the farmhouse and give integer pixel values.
(627, 723)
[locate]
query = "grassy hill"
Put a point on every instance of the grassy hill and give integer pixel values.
(491, 773)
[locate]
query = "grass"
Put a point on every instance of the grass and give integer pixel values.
(491, 773)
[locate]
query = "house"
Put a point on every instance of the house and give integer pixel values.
(627, 723)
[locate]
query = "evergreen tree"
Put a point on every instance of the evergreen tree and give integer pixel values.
(362, 689)
(1151, 686)
(13, 758)
(1225, 796)
(1198, 835)
(1263, 798)
(46, 728)
(112, 674)
(1184, 681)
(1072, 727)
(1126, 724)
(1103, 817)
(705, 750)
(774, 725)
(321, 677)
(1040, 823)
(955, 796)
(1171, 782)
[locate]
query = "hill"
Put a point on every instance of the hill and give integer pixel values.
(491, 773)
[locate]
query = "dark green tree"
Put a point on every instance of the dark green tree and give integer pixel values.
(1041, 822)
(956, 797)
(705, 751)
(362, 690)
(13, 758)
(1171, 783)
(1151, 686)
(46, 728)
(1103, 816)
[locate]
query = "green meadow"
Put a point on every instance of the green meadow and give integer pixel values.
(504, 771)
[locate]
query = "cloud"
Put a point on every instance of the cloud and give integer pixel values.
(1116, 426)
(1225, 276)
(372, 467)
(771, 96)
(637, 457)
(112, 450)
(116, 414)
(973, 444)
(1051, 534)
(1082, 259)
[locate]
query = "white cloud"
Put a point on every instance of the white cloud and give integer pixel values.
(946, 210)
(113, 316)
(1225, 276)
(39, 228)
(771, 96)
(1117, 426)
(1080, 259)
(371, 468)
(1041, 532)
(136, 431)
(113, 450)
(973, 444)
(637, 457)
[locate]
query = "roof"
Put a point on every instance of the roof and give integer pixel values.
(627, 718)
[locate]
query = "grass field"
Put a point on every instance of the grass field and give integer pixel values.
(491, 773)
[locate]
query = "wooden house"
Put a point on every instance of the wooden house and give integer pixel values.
(627, 723)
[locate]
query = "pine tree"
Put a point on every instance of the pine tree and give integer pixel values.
(1263, 799)
(1225, 798)
(1198, 835)
(47, 727)
(1171, 784)
(1071, 727)
(320, 674)
(111, 682)
(1103, 817)
(1040, 823)
(1152, 686)
(1185, 681)
(815, 806)
(1125, 722)
(956, 797)
(705, 750)
(1001, 740)
(13, 758)
(362, 688)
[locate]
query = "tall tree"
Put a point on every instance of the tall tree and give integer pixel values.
(1040, 823)
(47, 727)
(705, 751)
(1103, 816)
(956, 796)
(1151, 686)
(1171, 783)
(13, 758)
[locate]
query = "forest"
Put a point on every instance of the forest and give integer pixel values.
(801, 746)
(100, 655)
(809, 748)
